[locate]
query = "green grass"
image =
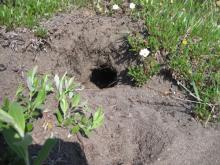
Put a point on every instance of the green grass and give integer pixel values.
(28, 12)
(41, 32)
(189, 31)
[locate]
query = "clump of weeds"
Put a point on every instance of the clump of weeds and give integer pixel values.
(183, 37)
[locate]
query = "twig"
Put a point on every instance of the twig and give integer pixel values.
(179, 83)
(192, 101)
(209, 104)
(212, 111)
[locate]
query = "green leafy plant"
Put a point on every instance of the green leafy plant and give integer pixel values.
(71, 112)
(147, 66)
(41, 32)
(138, 75)
(13, 124)
(136, 42)
(38, 88)
(16, 117)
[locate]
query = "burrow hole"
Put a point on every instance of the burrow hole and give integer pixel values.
(104, 76)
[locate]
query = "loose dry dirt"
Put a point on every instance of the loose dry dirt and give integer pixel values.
(147, 125)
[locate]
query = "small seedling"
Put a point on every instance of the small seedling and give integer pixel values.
(41, 32)
(38, 88)
(137, 75)
(147, 64)
(71, 112)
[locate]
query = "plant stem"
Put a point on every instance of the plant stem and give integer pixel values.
(27, 158)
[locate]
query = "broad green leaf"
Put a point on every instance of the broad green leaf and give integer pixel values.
(75, 101)
(75, 129)
(63, 77)
(59, 117)
(5, 105)
(98, 118)
(17, 112)
(36, 84)
(66, 83)
(41, 96)
(31, 82)
(19, 91)
(67, 122)
(70, 82)
(45, 151)
(84, 120)
(64, 105)
(62, 83)
(48, 87)
(11, 137)
(44, 81)
(29, 127)
(86, 131)
(5, 117)
(57, 81)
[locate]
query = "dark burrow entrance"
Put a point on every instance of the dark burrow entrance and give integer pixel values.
(104, 76)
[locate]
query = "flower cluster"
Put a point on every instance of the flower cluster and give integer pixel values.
(132, 6)
(116, 7)
(144, 52)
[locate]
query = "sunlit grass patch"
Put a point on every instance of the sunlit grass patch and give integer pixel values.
(27, 12)
(187, 32)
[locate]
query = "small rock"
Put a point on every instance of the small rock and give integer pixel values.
(2, 67)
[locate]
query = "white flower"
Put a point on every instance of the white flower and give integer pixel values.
(69, 135)
(144, 52)
(132, 5)
(115, 7)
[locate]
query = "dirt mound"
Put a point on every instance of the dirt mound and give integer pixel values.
(142, 125)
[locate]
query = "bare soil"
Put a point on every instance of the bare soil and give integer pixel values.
(147, 125)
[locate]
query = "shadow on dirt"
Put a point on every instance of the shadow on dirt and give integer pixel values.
(64, 153)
